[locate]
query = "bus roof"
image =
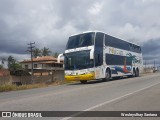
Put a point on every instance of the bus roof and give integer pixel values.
(104, 33)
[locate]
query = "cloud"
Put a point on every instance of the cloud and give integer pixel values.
(96, 8)
(49, 23)
(151, 50)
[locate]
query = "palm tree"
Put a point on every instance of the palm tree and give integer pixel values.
(37, 52)
(46, 51)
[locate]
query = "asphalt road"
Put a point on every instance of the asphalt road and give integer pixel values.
(130, 94)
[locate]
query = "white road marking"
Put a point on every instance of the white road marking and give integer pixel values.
(106, 102)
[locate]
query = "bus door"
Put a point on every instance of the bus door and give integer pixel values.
(99, 55)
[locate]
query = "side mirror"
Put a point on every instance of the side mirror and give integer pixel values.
(92, 54)
(59, 57)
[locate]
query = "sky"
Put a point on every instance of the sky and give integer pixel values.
(49, 23)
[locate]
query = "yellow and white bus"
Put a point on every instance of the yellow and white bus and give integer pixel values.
(96, 55)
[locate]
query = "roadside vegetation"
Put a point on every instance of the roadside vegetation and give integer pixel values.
(11, 87)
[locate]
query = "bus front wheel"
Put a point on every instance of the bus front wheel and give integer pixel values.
(134, 73)
(107, 75)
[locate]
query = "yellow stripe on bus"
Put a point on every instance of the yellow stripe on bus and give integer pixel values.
(89, 76)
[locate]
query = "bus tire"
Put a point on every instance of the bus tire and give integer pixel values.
(107, 75)
(83, 81)
(134, 73)
(137, 72)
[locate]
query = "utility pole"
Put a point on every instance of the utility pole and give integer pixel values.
(154, 65)
(30, 49)
(145, 66)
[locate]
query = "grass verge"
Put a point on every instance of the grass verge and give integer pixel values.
(9, 87)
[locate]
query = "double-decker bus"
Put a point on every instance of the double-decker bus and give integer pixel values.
(96, 55)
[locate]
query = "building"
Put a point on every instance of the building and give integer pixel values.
(42, 64)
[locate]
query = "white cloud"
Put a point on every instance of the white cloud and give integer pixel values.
(96, 8)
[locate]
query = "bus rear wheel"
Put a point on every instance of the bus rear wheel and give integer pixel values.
(137, 73)
(83, 81)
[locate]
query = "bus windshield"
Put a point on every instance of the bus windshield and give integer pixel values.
(78, 60)
(81, 40)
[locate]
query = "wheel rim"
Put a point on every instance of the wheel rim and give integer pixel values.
(107, 75)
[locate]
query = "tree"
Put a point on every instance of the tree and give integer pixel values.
(3, 59)
(15, 66)
(46, 51)
(37, 52)
(55, 54)
(1, 67)
(11, 60)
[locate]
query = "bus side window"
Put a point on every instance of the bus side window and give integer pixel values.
(98, 55)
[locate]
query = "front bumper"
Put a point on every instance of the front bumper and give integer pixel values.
(89, 76)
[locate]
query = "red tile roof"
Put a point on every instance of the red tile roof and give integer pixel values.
(50, 62)
(42, 59)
